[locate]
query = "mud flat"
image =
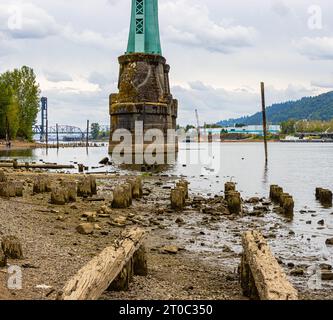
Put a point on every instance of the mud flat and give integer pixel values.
(23, 145)
(193, 251)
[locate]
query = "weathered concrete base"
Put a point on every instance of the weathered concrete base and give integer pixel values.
(144, 96)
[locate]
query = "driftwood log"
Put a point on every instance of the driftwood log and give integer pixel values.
(98, 274)
(261, 275)
(16, 165)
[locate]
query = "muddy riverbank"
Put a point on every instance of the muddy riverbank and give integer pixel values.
(192, 254)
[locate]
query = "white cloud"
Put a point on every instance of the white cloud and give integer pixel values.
(94, 39)
(26, 21)
(188, 23)
(75, 86)
(55, 76)
(320, 48)
(73, 47)
(326, 84)
(215, 104)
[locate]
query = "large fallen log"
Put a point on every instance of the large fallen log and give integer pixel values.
(261, 275)
(96, 276)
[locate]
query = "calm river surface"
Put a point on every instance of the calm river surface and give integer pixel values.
(298, 168)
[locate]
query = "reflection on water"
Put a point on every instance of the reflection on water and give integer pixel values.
(24, 153)
(299, 168)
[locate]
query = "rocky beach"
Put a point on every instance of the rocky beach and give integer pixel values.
(193, 247)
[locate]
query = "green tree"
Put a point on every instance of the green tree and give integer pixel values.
(95, 131)
(26, 92)
(9, 112)
(189, 127)
(288, 127)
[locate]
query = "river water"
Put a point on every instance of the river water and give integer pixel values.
(298, 168)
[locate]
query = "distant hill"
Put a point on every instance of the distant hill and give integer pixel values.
(310, 108)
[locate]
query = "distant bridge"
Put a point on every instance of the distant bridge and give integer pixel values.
(65, 130)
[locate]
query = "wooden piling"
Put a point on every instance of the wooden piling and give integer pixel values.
(47, 134)
(264, 119)
(87, 138)
(57, 128)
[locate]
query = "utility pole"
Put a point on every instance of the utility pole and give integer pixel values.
(264, 119)
(87, 140)
(47, 134)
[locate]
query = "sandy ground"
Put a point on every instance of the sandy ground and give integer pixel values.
(17, 145)
(54, 251)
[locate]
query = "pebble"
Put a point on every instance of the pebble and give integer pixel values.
(329, 242)
(85, 228)
(327, 276)
(297, 272)
(321, 222)
(170, 249)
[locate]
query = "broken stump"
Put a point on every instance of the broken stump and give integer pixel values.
(234, 202)
(140, 262)
(59, 196)
(11, 247)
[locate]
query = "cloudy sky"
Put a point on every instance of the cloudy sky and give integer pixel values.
(219, 51)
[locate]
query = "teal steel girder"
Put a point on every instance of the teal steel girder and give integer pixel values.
(144, 35)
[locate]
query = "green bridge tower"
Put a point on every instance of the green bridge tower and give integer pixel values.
(144, 89)
(144, 33)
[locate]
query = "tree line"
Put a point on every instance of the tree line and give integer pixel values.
(98, 133)
(19, 103)
(315, 126)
